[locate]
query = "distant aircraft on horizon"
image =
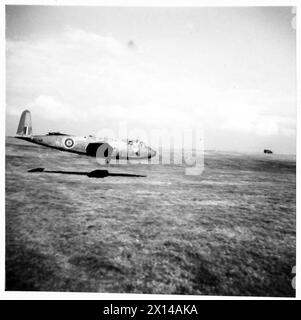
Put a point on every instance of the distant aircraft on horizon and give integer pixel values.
(85, 145)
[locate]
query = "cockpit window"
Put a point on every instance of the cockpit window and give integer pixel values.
(51, 133)
(136, 142)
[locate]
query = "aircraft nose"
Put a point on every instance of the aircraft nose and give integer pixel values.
(151, 153)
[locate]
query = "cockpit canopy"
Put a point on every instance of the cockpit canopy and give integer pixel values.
(56, 133)
(135, 142)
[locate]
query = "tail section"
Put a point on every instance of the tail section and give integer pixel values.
(25, 127)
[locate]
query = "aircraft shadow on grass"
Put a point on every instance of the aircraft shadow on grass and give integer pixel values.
(91, 174)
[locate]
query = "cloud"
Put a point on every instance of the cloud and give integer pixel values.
(80, 75)
(50, 107)
(248, 120)
(91, 74)
(94, 42)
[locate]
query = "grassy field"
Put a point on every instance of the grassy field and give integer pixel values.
(230, 231)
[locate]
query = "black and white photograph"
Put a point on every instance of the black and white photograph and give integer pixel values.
(151, 149)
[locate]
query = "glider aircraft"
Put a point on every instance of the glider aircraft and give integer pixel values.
(85, 145)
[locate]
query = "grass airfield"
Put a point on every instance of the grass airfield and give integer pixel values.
(230, 231)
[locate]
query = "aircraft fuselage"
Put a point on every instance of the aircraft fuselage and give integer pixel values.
(89, 145)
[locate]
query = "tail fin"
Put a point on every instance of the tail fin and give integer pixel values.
(25, 128)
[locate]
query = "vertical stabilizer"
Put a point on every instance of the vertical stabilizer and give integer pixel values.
(25, 128)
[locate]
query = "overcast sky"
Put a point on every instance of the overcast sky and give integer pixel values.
(229, 70)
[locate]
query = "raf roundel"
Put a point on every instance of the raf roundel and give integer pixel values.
(69, 143)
